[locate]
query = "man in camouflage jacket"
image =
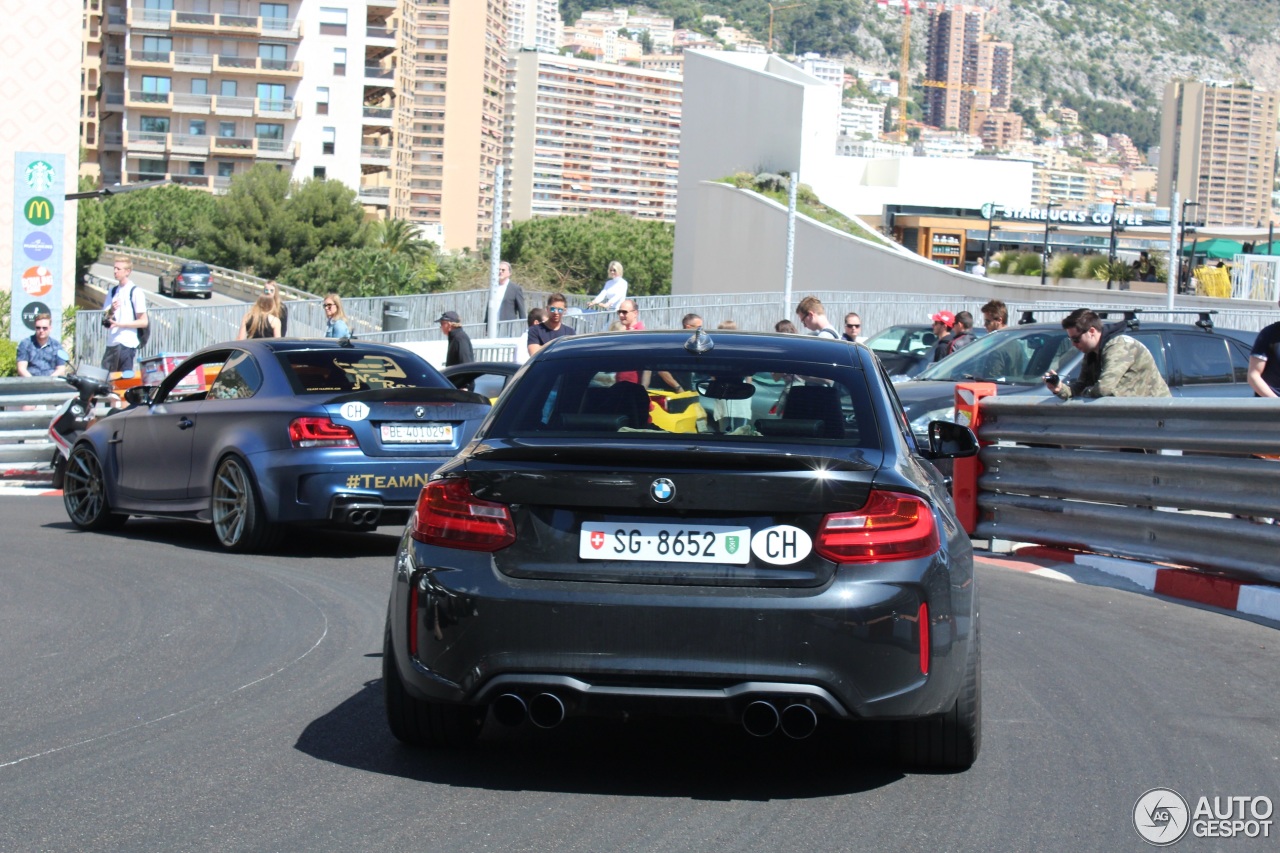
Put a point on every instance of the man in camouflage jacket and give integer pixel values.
(1115, 365)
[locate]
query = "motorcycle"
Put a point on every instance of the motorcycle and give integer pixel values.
(95, 387)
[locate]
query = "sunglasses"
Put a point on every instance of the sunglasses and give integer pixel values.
(625, 311)
(330, 305)
(43, 328)
(555, 310)
(853, 325)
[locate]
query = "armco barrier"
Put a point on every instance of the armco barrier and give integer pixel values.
(25, 447)
(1175, 480)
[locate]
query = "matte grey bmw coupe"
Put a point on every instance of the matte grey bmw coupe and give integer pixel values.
(794, 562)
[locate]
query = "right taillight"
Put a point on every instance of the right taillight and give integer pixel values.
(890, 526)
(320, 432)
(450, 515)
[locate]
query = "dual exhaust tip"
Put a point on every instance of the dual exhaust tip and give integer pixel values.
(545, 710)
(362, 516)
(760, 719)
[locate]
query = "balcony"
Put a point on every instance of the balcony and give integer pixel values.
(228, 105)
(286, 108)
(152, 59)
(112, 139)
(382, 36)
(208, 23)
(187, 103)
(375, 155)
(378, 196)
(247, 146)
(378, 116)
(146, 142)
(149, 99)
(185, 143)
(259, 67)
(193, 63)
(115, 58)
(373, 72)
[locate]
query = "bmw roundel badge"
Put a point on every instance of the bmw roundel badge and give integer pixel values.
(420, 412)
(662, 490)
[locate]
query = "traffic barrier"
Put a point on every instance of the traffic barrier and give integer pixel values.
(965, 471)
(1172, 480)
(25, 448)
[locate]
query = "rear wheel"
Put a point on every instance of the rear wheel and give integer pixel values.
(951, 740)
(420, 723)
(238, 517)
(84, 492)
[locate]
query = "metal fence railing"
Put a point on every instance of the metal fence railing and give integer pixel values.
(1067, 474)
(27, 404)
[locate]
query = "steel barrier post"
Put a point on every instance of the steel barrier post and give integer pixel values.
(966, 471)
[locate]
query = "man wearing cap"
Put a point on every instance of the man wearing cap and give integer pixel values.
(942, 323)
(459, 342)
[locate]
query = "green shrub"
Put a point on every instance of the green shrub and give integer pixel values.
(1065, 265)
(1117, 271)
(1089, 268)
(1027, 263)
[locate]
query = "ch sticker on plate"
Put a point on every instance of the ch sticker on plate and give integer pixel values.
(781, 545)
(355, 411)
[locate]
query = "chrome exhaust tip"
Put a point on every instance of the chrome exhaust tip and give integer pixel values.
(760, 718)
(798, 721)
(509, 709)
(546, 710)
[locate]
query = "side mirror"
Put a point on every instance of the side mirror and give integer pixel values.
(948, 440)
(140, 395)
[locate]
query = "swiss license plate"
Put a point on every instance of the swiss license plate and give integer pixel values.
(705, 543)
(417, 433)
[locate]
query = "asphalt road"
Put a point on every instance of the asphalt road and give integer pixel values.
(150, 283)
(156, 694)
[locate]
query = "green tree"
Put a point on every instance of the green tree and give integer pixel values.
(572, 253)
(363, 271)
(167, 219)
(91, 229)
(399, 236)
(266, 225)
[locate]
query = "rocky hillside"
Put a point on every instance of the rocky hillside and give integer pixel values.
(1104, 57)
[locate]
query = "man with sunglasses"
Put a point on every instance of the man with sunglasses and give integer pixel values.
(552, 326)
(853, 328)
(1115, 365)
(40, 354)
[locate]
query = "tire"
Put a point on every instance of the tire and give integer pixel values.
(239, 521)
(416, 722)
(951, 740)
(84, 492)
(160, 286)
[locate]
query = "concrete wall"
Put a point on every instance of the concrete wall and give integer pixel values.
(752, 231)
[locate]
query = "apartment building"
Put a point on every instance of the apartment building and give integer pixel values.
(861, 118)
(534, 25)
(1218, 149)
(584, 136)
(952, 61)
(999, 129)
(197, 91)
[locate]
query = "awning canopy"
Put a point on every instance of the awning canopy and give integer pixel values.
(1217, 248)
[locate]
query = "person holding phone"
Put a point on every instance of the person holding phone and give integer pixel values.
(1115, 365)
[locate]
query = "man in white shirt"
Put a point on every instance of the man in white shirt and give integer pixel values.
(814, 318)
(126, 308)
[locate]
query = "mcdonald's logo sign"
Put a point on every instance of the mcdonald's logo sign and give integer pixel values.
(38, 210)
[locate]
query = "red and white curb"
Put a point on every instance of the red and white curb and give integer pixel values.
(1186, 584)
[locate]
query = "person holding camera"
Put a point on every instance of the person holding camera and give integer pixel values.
(126, 308)
(1115, 365)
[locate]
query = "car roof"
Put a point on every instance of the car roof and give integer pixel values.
(743, 342)
(275, 345)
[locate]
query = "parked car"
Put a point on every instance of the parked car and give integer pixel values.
(486, 378)
(804, 569)
(189, 279)
(907, 349)
(257, 434)
(1196, 360)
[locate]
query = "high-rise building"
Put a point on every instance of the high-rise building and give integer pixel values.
(586, 136)
(452, 82)
(195, 93)
(533, 25)
(1218, 149)
(967, 73)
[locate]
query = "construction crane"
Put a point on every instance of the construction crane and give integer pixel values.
(772, 9)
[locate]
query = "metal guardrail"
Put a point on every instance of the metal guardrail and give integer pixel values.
(25, 447)
(1065, 474)
(228, 281)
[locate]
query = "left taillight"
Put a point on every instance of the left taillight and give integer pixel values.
(320, 432)
(450, 515)
(890, 526)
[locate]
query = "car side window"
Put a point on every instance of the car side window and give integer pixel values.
(1155, 345)
(1239, 360)
(1202, 359)
(240, 377)
(190, 380)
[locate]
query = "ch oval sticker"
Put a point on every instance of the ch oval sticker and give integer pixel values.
(355, 411)
(781, 545)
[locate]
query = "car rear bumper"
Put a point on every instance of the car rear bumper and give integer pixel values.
(848, 649)
(326, 487)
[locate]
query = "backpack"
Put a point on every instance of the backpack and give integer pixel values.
(144, 334)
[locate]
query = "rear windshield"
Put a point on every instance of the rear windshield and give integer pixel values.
(335, 371)
(195, 269)
(732, 400)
